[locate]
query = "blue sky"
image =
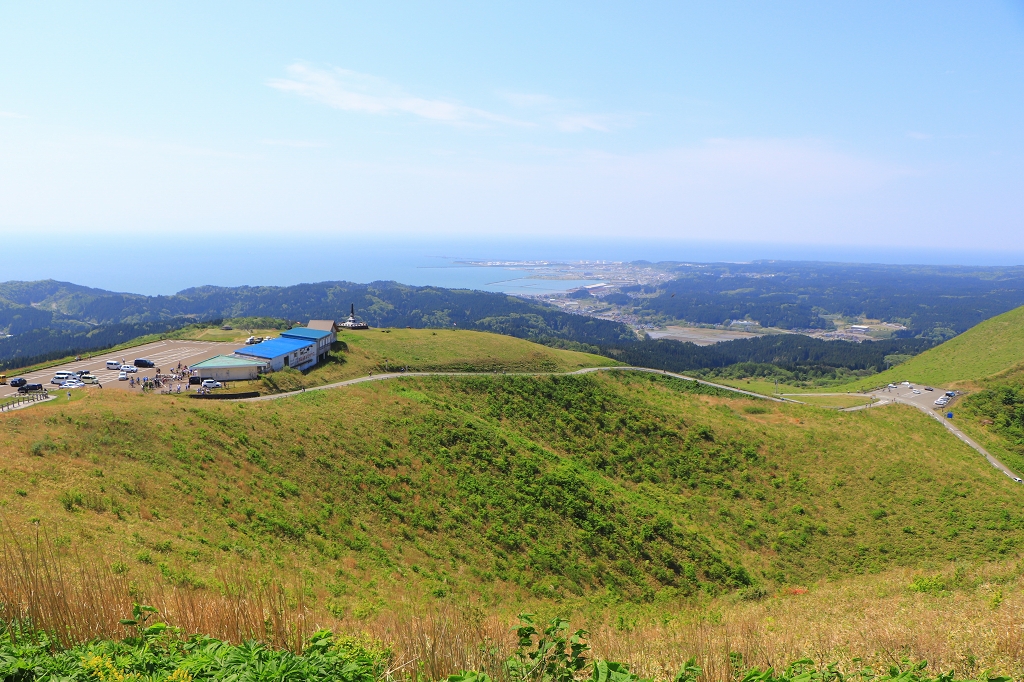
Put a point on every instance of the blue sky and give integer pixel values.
(870, 125)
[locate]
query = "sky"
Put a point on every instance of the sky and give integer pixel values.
(823, 127)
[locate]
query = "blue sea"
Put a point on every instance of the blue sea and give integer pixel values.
(163, 265)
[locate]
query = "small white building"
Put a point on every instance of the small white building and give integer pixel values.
(229, 368)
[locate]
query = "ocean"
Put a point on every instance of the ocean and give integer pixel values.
(162, 265)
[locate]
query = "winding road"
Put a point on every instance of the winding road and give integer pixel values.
(587, 370)
(923, 400)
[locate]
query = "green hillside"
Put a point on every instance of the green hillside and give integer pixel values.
(996, 345)
(425, 350)
(621, 487)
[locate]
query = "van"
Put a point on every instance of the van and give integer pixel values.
(142, 362)
(113, 364)
(61, 377)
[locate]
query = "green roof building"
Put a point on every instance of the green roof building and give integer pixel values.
(229, 368)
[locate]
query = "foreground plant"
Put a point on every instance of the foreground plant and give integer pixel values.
(156, 653)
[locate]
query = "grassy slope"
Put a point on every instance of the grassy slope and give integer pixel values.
(425, 350)
(624, 486)
(978, 412)
(994, 346)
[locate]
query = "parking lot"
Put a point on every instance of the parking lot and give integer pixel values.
(164, 354)
(915, 395)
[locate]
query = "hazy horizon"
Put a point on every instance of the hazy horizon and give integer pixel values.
(154, 269)
(872, 127)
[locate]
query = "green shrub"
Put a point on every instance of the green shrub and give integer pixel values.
(928, 585)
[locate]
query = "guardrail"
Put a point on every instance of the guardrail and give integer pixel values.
(23, 399)
(224, 396)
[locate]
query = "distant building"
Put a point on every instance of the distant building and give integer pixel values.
(860, 328)
(324, 325)
(352, 322)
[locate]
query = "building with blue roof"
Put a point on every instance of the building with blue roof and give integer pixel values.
(284, 352)
(323, 339)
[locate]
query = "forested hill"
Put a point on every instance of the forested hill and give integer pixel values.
(52, 319)
(790, 352)
(932, 301)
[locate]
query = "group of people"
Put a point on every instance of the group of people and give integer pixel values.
(166, 381)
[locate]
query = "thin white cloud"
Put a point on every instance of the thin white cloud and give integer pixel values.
(564, 114)
(298, 144)
(11, 114)
(357, 92)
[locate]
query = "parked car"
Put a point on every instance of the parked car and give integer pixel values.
(194, 381)
(113, 364)
(19, 382)
(917, 391)
(122, 376)
(89, 379)
(129, 368)
(30, 388)
(928, 388)
(210, 383)
(251, 340)
(73, 383)
(60, 377)
(142, 362)
(1017, 480)
(951, 394)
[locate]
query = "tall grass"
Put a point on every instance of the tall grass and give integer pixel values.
(76, 599)
(967, 621)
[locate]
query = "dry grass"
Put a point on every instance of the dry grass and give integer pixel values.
(872, 621)
(78, 599)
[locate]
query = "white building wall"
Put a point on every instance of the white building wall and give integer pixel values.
(228, 373)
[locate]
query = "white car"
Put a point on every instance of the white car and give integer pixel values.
(89, 379)
(892, 385)
(917, 391)
(72, 384)
(210, 383)
(129, 368)
(122, 376)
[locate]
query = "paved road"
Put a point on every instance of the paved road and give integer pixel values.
(165, 354)
(925, 401)
(588, 370)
